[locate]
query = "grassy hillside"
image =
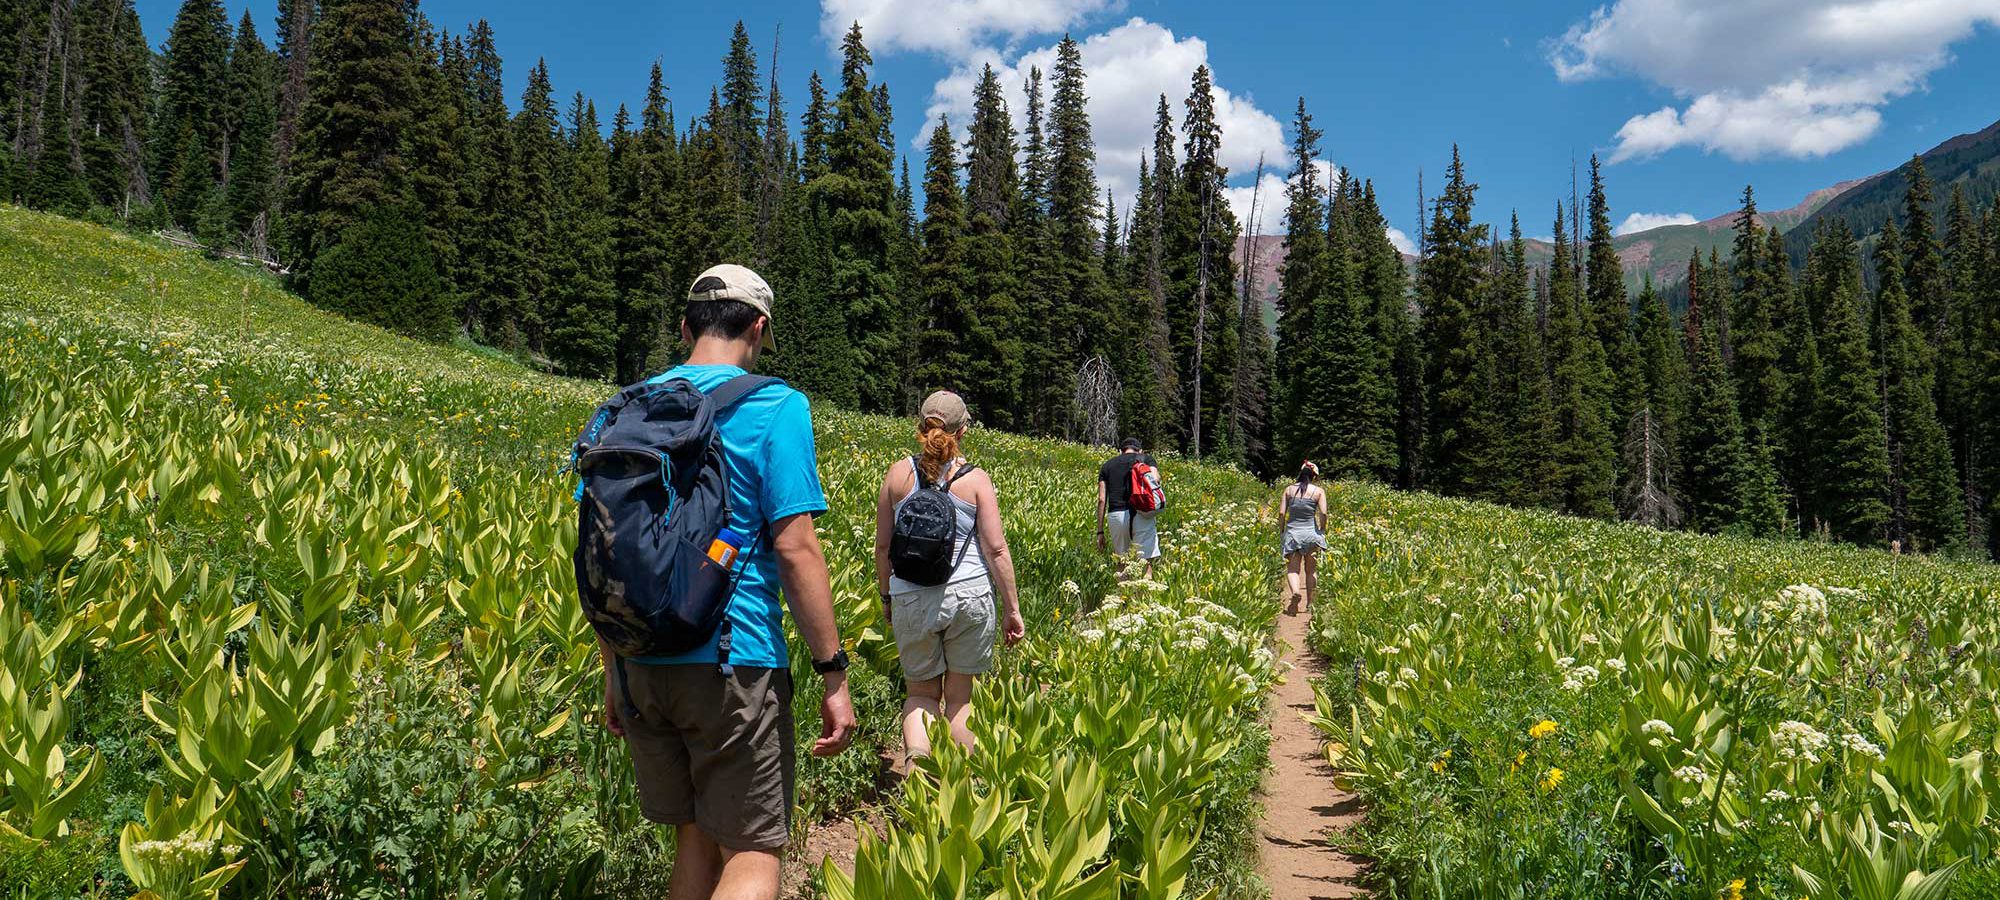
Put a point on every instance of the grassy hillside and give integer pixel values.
(287, 610)
(1533, 706)
(1969, 162)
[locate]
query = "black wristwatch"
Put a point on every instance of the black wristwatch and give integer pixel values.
(837, 664)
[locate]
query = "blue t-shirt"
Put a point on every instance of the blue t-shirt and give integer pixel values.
(773, 473)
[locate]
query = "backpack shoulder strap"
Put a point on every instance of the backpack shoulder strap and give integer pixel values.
(961, 472)
(732, 392)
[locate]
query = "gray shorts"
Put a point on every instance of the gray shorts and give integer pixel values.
(947, 628)
(713, 751)
(1131, 531)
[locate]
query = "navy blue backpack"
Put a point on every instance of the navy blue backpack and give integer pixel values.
(654, 494)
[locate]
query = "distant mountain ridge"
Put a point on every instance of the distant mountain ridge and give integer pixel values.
(1970, 161)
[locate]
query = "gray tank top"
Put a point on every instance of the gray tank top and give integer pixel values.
(970, 563)
(1301, 508)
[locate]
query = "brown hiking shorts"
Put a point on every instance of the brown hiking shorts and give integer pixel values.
(714, 751)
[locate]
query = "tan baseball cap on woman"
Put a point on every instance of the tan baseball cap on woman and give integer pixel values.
(730, 281)
(947, 408)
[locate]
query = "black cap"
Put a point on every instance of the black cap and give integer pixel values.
(1131, 444)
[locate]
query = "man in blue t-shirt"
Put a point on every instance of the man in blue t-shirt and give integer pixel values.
(713, 752)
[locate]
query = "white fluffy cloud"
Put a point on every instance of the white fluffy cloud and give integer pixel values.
(1126, 70)
(1268, 195)
(1402, 241)
(1640, 221)
(952, 26)
(1759, 78)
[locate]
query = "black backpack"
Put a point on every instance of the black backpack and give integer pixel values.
(926, 531)
(654, 495)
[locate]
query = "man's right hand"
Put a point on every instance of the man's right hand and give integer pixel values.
(1100, 541)
(836, 717)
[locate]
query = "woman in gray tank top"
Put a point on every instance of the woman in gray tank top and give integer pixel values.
(1302, 535)
(945, 632)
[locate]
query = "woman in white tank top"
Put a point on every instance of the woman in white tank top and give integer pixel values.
(945, 632)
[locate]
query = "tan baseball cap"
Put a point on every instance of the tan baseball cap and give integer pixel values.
(946, 407)
(730, 281)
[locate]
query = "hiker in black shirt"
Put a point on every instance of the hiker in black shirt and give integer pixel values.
(1129, 529)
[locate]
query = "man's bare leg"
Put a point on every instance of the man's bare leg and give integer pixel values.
(697, 865)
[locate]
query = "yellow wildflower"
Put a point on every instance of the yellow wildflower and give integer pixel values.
(1735, 890)
(1520, 758)
(1438, 765)
(1552, 779)
(1542, 729)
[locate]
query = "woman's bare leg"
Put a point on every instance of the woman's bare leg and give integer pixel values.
(1294, 582)
(1311, 572)
(958, 706)
(921, 708)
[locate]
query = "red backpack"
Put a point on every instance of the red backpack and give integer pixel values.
(1146, 493)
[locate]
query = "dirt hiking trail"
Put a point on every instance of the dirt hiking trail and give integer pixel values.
(1300, 802)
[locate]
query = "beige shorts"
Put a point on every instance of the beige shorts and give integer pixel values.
(714, 751)
(947, 628)
(1131, 531)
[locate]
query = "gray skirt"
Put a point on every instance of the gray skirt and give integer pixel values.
(1301, 536)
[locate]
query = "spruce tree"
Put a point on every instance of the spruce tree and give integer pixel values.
(1797, 433)
(738, 128)
(1527, 475)
(647, 187)
(942, 358)
(1199, 230)
(1301, 279)
(1925, 279)
(190, 133)
(1958, 370)
(1759, 339)
(1986, 371)
(1152, 389)
(1585, 445)
(1663, 412)
(1926, 509)
(993, 376)
(294, 63)
(1850, 455)
(533, 195)
(718, 222)
(1448, 286)
(1716, 456)
(487, 251)
(432, 146)
(117, 97)
(253, 118)
(349, 158)
(814, 130)
(1610, 308)
(583, 336)
(1077, 324)
(857, 195)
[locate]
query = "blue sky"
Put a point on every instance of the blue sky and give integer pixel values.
(1692, 98)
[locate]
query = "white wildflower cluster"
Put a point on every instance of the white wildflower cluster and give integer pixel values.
(1575, 677)
(1777, 795)
(1071, 589)
(1857, 744)
(1657, 732)
(1797, 603)
(1694, 775)
(1616, 665)
(1799, 742)
(183, 849)
(1190, 626)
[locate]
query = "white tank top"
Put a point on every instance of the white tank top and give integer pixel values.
(971, 564)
